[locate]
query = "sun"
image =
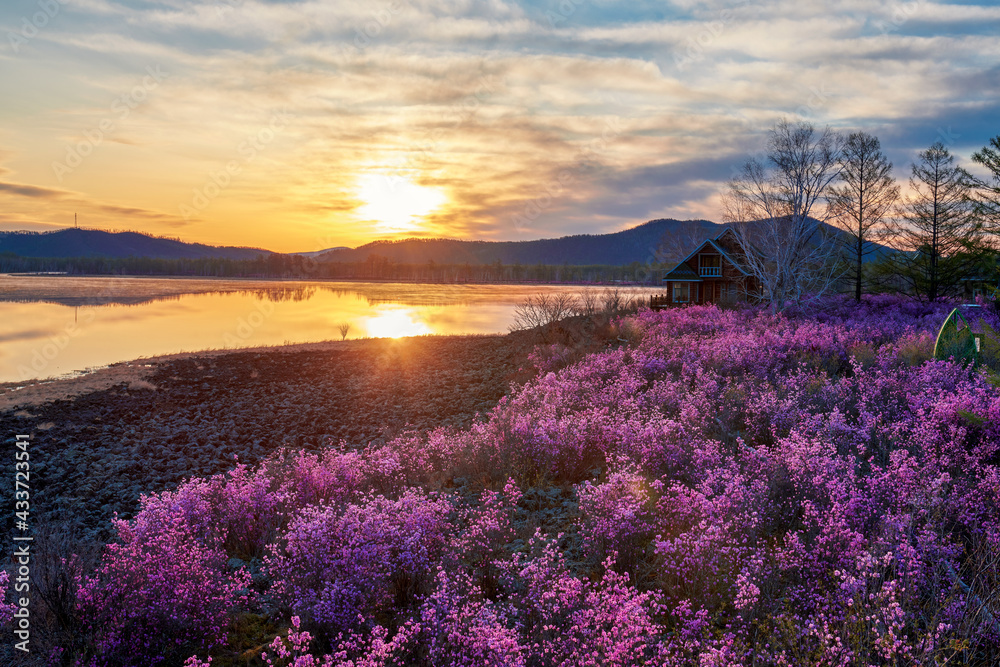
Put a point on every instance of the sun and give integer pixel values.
(396, 203)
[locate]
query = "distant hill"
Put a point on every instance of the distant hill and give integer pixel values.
(317, 253)
(75, 242)
(662, 240)
(638, 244)
(654, 241)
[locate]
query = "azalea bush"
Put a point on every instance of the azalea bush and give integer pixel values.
(726, 487)
(158, 595)
(7, 609)
(342, 564)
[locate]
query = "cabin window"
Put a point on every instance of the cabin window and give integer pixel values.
(682, 292)
(709, 265)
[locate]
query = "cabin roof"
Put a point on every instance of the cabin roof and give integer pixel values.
(686, 270)
(682, 272)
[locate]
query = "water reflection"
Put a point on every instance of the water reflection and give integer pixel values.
(52, 326)
(397, 323)
(73, 291)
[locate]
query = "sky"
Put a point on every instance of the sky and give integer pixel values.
(300, 125)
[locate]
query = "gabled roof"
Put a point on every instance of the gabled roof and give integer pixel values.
(682, 272)
(715, 246)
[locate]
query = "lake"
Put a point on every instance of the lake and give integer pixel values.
(52, 326)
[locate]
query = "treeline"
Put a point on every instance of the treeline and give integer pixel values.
(943, 229)
(375, 267)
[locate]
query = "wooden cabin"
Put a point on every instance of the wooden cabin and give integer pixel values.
(710, 274)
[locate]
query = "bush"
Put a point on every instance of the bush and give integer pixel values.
(541, 311)
(7, 609)
(341, 565)
(159, 595)
(799, 489)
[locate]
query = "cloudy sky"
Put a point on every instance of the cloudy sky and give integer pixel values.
(298, 125)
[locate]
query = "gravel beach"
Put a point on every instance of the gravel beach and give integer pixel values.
(100, 441)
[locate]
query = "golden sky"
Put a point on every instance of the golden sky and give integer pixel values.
(300, 125)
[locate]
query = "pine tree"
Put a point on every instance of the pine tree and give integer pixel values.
(988, 195)
(861, 205)
(937, 228)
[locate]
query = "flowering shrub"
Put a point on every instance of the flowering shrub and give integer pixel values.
(462, 627)
(293, 652)
(7, 609)
(618, 516)
(340, 565)
(574, 621)
(810, 489)
(158, 594)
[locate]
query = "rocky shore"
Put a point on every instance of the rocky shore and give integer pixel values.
(95, 453)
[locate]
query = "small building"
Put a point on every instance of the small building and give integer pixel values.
(712, 273)
(985, 282)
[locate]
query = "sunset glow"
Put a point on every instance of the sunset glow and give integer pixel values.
(395, 202)
(304, 124)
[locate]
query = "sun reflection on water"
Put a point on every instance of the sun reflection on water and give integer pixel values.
(396, 323)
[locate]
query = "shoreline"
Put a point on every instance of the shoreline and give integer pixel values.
(307, 279)
(38, 391)
(101, 441)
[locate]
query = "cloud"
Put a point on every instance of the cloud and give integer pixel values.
(74, 200)
(32, 191)
(488, 101)
(145, 214)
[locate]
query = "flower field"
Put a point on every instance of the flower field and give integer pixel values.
(729, 487)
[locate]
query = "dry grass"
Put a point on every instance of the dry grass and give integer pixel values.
(142, 385)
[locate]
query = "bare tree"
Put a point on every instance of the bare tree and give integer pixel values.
(860, 207)
(587, 303)
(937, 227)
(777, 212)
(615, 302)
(679, 243)
(541, 311)
(343, 328)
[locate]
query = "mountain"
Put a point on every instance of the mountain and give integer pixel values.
(663, 240)
(654, 241)
(317, 253)
(638, 244)
(73, 242)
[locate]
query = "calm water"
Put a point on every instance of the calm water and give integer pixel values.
(56, 325)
